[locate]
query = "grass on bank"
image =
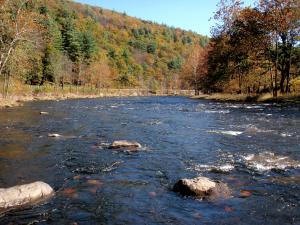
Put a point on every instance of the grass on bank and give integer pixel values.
(19, 93)
(291, 98)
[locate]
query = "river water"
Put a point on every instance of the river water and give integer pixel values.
(254, 148)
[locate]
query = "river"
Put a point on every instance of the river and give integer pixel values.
(254, 148)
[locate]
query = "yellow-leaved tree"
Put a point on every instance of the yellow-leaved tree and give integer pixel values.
(18, 24)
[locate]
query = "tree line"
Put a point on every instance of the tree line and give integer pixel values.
(60, 42)
(252, 50)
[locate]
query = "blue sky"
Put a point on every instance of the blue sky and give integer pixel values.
(187, 14)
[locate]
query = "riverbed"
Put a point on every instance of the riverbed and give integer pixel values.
(253, 148)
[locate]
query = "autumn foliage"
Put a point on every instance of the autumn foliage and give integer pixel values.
(252, 49)
(61, 42)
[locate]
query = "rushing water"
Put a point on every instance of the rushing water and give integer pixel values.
(253, 148)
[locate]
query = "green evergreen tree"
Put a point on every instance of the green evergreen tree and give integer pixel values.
(88, 46)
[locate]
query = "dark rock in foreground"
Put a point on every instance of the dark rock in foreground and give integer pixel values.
(24, 195)
(202, 187)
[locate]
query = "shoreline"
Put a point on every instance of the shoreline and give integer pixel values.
(15, 101)
(240, 98)
(18, 100)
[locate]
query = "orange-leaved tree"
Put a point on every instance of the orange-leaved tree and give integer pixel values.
(284, 28)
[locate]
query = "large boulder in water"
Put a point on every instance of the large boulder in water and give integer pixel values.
(129, 145)
(23, 195)
(202, 187)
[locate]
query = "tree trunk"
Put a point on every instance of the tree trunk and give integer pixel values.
(282, 81)
(62, 83)
(288, 70)
(5, 59)
(272, 85)
(6, 85)
(3, 87)
(276, 69)
(240, 83)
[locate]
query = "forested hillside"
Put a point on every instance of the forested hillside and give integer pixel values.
(62, 43)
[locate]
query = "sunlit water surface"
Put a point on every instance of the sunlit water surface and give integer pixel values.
(254, 148)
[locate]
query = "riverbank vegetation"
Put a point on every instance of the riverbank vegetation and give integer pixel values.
(63, 43)
(253, 50)
(68, 46)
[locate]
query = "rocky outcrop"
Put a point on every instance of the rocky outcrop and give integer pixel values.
(125, 145)
(23, 195)
(202, 187)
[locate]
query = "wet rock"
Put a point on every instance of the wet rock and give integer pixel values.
(96, 183)
(23, 195)
(70, 192)
(199, 186)
(245, 194)
(202, 187)
(294, 180)
(125, 144)
(78, 177)
(228, 209)
(232, 133)
(266, 161)
(54, 135)
(152, 194)
(112, 166)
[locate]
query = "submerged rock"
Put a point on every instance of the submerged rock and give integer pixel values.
(245, 194)
(202, 187)
(226, 168)
(294, 180)
(23, 195)
(125, 144)
(224, 132)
